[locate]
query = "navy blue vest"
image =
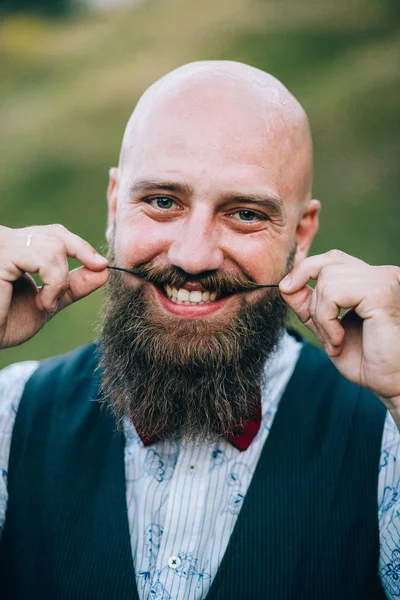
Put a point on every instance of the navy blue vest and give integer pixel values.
(308, 528)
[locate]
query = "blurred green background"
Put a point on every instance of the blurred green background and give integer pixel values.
(69, 83)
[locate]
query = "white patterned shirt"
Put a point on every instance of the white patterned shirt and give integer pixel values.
(184, 499)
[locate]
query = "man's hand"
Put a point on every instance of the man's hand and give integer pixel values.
(25, 307)
(365, 343)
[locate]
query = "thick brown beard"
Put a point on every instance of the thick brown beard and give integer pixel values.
(192, 377)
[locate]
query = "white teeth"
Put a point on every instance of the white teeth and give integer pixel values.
(195, 296)
(183, 296)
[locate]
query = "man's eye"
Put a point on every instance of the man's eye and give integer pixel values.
(162, 202)
(247, 215)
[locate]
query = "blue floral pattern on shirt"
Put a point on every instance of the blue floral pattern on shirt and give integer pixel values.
(238, 481)
(390, 573)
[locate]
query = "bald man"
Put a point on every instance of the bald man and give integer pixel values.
(199, 448)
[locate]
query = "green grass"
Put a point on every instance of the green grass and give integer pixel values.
(68, 88)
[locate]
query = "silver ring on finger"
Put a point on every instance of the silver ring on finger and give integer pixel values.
(28, 240)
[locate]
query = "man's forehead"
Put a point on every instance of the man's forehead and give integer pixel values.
(225, 95)
(204, 143)
(217, 112)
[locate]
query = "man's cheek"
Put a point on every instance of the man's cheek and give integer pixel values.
(139, 244)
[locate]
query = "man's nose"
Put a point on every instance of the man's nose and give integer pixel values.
(196, 247)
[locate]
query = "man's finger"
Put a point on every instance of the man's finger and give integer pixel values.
(311, 267)
(82, 282)
(302, 303)
(78, 248)
(325, 315)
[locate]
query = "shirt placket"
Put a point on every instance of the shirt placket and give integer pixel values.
(177, 558)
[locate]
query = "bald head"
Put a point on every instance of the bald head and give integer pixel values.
(227, 108)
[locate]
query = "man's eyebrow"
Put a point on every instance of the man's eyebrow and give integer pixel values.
(149, 185)
(270, 201)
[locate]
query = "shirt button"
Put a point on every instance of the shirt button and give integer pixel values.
(174, 562)
(192, 469)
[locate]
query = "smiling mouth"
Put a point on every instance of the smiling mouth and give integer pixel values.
(191, 298)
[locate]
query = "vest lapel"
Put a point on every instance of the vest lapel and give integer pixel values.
(66, 534)
(284, 524)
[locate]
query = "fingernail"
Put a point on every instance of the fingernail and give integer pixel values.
(99, 258)
(286, 281)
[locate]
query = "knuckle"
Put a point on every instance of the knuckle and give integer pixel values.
(324, 275)
(336, 254)
(58, 248)
(57, 228)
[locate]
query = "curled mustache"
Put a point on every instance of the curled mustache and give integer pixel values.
(209, 281)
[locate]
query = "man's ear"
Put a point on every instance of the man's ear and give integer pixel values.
(112, 197)
(306, 229)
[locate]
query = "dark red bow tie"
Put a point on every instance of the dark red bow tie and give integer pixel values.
(241, 440)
